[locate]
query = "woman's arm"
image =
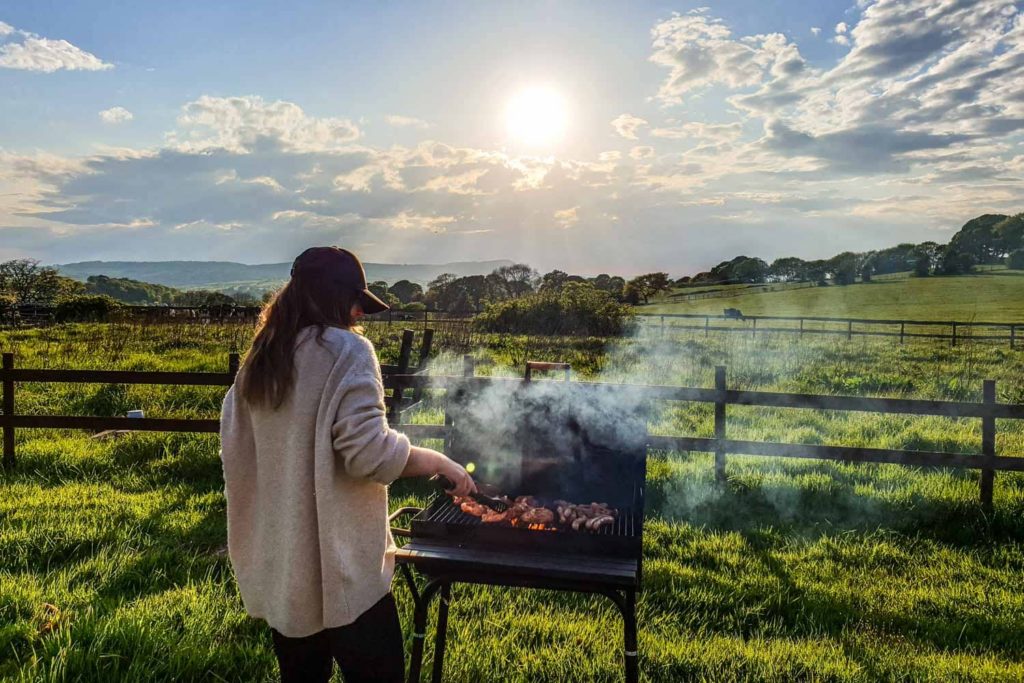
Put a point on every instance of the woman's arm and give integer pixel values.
(426, 462)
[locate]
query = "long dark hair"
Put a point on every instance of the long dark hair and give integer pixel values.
(308, 299)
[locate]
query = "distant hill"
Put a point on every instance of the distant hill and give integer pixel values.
(230, 275)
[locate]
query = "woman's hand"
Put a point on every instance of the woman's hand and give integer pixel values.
(463, 484)
(426, 462)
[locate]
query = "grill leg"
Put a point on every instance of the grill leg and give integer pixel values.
(441, 636)
(627, 606)
(419, 629)
(629, 626)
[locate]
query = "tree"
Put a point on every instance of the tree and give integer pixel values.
(787, 269)
(1010, 233)
(1016, 259)
(867, 268)
(553, 280)
(29, 283)
(379, 289)
(518, 279)
(923, 265)
(406, 291)
(844, 267)
(978, 240)
(646, 286)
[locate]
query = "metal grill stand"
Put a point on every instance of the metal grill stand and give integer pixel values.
(443, 564)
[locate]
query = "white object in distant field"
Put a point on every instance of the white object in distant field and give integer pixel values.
(136, 413)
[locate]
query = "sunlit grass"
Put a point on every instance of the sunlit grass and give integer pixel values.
(791, 570)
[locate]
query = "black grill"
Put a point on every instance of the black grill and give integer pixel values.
(558, 441)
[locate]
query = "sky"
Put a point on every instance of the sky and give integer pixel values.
(587, 136)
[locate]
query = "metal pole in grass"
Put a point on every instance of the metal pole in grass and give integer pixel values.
(952, 341)
(988, 444)
(719, 423)
(8, 406)
(903, 330)
(233, 365)
(1013, 334)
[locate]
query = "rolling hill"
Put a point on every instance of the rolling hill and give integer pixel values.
(990, 296)
(228, 274)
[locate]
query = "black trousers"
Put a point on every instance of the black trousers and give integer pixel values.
(368, 649)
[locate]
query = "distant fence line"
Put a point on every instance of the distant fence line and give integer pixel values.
(760, 288)
(954, 331)
(458, 323)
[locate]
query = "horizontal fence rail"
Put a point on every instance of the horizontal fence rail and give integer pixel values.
(953, 330)
(10, 376)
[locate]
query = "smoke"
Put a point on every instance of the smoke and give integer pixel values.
(494, 423)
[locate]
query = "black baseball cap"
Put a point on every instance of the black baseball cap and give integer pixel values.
(344, 267)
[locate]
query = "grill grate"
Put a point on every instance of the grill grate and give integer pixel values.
(444, 511)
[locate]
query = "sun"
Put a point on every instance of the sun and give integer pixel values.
(537, 117)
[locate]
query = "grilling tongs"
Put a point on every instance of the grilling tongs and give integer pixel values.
(496, 504)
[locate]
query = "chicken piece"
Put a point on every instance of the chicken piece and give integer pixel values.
(471, 507)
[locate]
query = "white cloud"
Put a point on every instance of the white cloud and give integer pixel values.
(841, 27)
(29, 52)
(627, 125)
(410, 220)
(815, 30)
(116, 115)
(641, 152)
(567, 218)
(715, 132)
(399, 121)
(700, 51)
(242, 124)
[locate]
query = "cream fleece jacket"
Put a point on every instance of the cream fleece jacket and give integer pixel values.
(306, 488)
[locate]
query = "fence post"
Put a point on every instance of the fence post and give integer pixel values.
(1013, 334)
(988, 444)
(849, 330)
(903, 329)
(952, 341)
(707, 323)
(233, 365)
(720, 423)
(753, 330)
(662, 326)
(8, 365)
(398, 392)
(801, 328)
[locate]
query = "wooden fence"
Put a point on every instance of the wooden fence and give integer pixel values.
(402, 377)
(954, 331)
(10, 375)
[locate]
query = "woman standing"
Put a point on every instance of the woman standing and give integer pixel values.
(308, 455)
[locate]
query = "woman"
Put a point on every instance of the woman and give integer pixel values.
(308, 455)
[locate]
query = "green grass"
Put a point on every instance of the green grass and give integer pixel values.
(792, 570)
(990, 296)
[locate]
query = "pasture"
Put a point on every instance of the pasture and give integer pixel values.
(991, 296)
(113, 564)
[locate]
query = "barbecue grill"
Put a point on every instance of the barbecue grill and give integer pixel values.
(552, 440)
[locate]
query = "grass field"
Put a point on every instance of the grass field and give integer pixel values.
(113, 566)
(993, 296)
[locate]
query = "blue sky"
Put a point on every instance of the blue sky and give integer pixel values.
(251, 130)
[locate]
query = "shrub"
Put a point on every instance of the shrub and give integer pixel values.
(578, 308)
(85, 308)
(8, 309)
(1016, 259)
(414, 306)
